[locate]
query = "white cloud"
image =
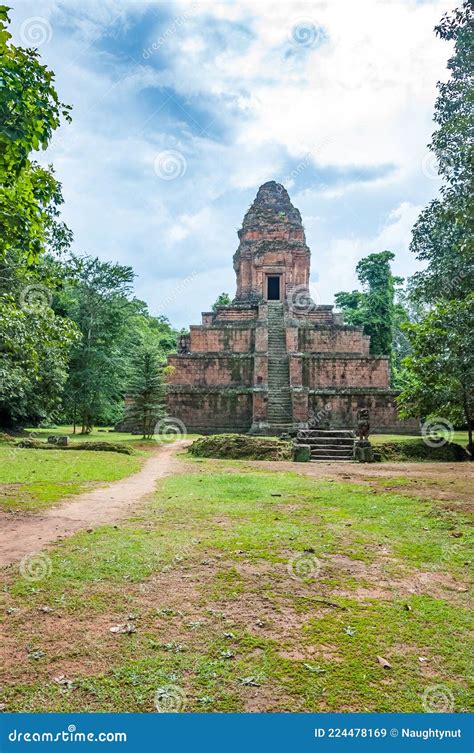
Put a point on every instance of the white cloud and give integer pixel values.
(323, 118)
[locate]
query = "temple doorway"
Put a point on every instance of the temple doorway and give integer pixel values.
(273, 288)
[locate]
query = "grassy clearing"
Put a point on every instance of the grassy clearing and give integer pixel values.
(459, 437)
(33, 480)
(248, 590)
(99, 434)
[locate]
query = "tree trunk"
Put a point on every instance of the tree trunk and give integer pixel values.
(470, 424)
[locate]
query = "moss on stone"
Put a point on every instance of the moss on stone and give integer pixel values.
(35, 444)
(416, 449)
(241, 447)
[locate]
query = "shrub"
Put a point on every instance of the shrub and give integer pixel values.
(35, 444)
(6, 437)
(415, 449)
(241, 447)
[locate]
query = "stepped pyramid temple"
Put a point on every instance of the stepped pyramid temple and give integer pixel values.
(274, 360)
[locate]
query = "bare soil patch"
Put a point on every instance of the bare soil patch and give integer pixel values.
(450, 482)
(380, 582)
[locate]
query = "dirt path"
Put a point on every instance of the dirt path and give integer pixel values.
(21, 535)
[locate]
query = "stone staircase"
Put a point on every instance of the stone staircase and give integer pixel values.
(280, 412)
(328, 444)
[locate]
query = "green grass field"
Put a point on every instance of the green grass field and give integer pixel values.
(248, 590)
(36, 479)
(99, 434)
(459, 437)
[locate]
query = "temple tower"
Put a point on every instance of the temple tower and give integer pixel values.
(273, 360)
(272, 259)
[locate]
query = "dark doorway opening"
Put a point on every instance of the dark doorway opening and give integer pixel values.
(273, 290)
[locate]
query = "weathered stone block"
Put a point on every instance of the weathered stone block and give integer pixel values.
(301, 453)
(363, 451)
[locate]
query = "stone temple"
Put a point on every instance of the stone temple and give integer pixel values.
(274, 360)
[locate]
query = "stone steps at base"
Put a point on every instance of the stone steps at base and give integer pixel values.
(325, 445)
(325, 455)
(343, 442)
(305, 433)
(330, 460)
(328, 444)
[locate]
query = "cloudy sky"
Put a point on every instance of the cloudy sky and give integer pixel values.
(181, 110)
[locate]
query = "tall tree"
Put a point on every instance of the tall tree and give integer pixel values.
(442, 235)
(96, 296)
(440, 369)
(373, 308)
(439, 374)
(34, 342)
(30, 111)
(116, 330)
(146, 392)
